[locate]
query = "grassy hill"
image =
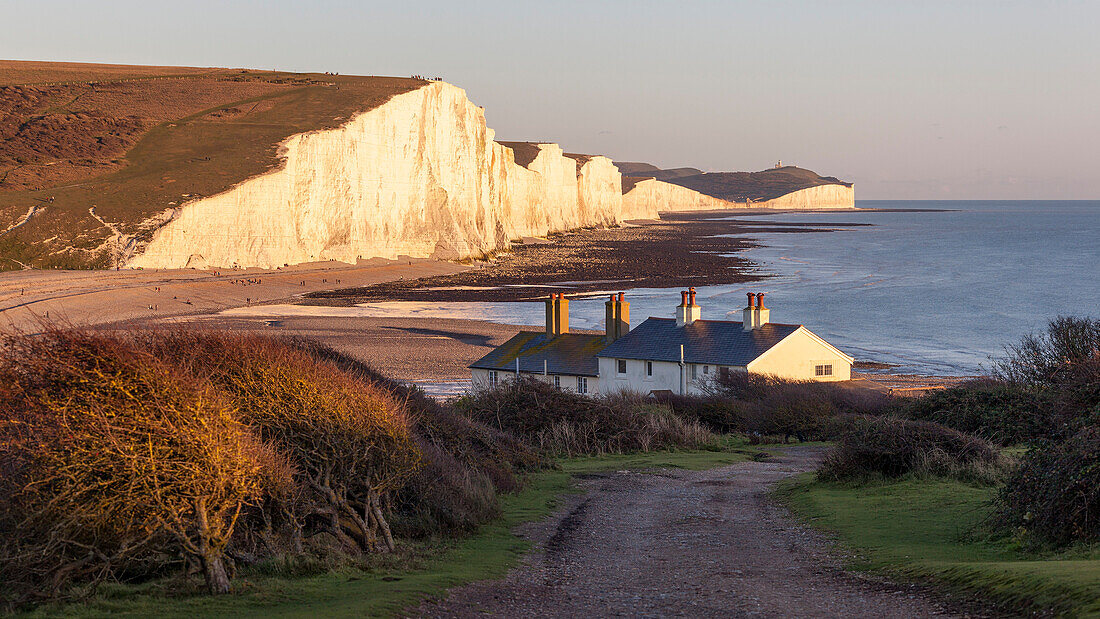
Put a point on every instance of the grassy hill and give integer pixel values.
(92, 151)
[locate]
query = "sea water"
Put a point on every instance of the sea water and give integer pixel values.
(933, 287)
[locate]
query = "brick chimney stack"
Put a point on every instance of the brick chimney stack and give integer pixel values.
(557, 314)
(687, 312)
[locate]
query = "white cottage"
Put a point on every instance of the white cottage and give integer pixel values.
(662, 354)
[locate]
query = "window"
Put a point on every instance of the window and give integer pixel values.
(621, 366)
(649, 368)
(582, 384)
(823, 369)
(493, 380)
(694, 371)
(557, 381)
(706, 370)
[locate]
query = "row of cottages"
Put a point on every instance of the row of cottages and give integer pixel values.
(678, 355)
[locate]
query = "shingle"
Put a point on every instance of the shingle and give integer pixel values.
(715, 342)
(573, 354)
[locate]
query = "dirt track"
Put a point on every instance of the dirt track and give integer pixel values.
(696, 543)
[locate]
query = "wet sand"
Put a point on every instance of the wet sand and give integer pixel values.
(680, 250)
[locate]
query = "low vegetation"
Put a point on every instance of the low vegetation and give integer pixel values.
(129, 456)
(929, 497)
(770, 409)
(129, 459)
(565, 423)
(1053, 499)
(135, 455)
(935, 530)
(891, 447)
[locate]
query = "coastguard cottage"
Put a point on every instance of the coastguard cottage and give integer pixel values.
(678, 355)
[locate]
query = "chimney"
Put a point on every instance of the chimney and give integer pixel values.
(622, 317)
(687, 312)
(616, 318)
(748, 315)
(762, 314)
(610, 322)
(551, 315)
(561, 310)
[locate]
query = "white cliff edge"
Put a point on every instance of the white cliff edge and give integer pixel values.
(418, 176)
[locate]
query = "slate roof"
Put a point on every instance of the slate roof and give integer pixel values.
(573, 354)
(714, 342)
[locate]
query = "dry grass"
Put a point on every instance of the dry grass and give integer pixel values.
(137, 144)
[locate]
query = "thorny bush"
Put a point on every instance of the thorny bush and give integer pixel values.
(111, 463)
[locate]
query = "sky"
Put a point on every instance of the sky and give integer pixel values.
(922, 99)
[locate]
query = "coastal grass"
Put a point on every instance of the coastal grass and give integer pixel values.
(933, 530)
(388, 584)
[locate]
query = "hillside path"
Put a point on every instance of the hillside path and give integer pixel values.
(674, 542)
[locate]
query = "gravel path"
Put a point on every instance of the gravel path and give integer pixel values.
(672, 542)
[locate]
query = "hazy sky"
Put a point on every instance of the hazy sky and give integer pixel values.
(920, 99)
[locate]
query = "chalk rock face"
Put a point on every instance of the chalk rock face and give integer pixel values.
(820, 197)
(419, 176)
(650, 196)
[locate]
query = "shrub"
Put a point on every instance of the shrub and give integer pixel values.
(767, 406)
(893, 447)
(1054, 496)
(112, 463)
(349, 440)
(1054, 356)
(1002, 412)
(566, 423)
(464, 462)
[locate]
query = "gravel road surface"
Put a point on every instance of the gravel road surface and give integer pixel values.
(673, 542)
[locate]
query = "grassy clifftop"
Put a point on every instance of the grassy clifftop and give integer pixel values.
(89, 152)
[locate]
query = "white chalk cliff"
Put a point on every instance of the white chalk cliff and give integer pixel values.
(819, 197)
(420, 176)
(649, 197)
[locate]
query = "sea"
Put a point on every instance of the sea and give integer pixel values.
(931, 287)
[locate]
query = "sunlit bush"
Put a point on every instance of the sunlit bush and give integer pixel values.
(112, 462)
(349, 440)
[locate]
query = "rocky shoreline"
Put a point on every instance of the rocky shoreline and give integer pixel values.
(681, 249)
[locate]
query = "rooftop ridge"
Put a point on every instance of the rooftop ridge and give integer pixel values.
(736, 322)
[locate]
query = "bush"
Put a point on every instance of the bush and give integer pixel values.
(349, 440)
(1054, 496)
(464, 462)
(766, 406)
(892, 447)
(1054, 356)
(112, 463)
(1002, 412)
(566, 423)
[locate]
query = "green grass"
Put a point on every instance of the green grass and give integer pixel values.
(932, 530)
(394, 582)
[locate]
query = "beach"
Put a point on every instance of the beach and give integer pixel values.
(344, 306)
